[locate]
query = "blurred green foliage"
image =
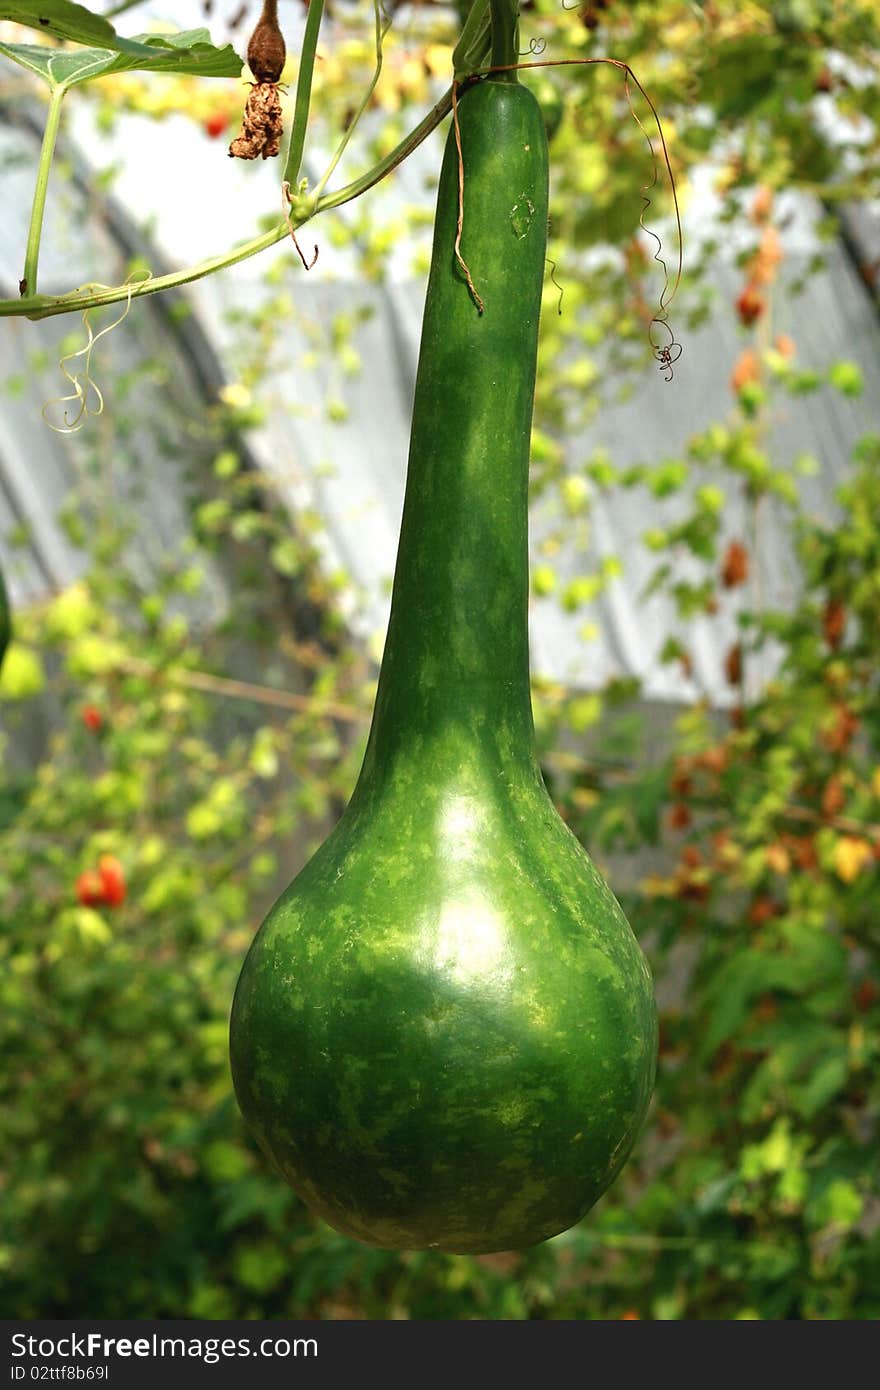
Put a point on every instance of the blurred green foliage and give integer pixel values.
(129, 1187)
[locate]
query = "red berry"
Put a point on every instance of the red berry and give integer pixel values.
(834, 622)
(750, 305)
(90, 888)
(112, 876)
(92, 718)
(215, 124)
(735, 569)
(733, 665)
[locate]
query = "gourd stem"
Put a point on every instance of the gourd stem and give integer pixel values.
(505, 38)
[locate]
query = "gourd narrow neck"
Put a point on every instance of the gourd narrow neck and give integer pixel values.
(505, 39)
(457, 644)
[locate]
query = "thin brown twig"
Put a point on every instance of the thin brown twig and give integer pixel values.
(286, 699)
(849, 827)
(805, 814)
(245, 690)
(458, 256)
(285, 208)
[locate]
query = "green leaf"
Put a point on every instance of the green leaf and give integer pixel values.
(92, 654)
(226, 1162)
(64, 20)
(829, 1077)
(286, 556)
(847, 377)
(264, 756)
(260, 1267)
(774, 1154)
(22, 675)
(584, 712)
(543, 580)
(71, 614)
(839, 1204)
(190, 52)
(751, 973)
(668, 477)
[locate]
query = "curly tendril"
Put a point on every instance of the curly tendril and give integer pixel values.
(82, 380)
(666, 354)
(554, 281)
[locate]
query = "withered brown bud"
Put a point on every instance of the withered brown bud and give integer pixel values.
(261, 127)
(266, 51)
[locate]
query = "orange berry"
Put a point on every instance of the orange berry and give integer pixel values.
(834, 623)
(778, 858)
(112, 876)
(90, 888)
(762, 204)
(838, 732)
(761, 267)
(733, 665)
(735, 569)
(750, 305)
(92, 717)
(746, 370)
(833, 797)
(714, 759)
(681, 783)
(761, 910)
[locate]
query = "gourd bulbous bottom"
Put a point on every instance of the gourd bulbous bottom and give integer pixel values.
(444, 1034)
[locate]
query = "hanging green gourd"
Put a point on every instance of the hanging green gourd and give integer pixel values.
(444, 1033)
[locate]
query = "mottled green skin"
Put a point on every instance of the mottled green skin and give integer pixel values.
(5, 619)
(444, 1033)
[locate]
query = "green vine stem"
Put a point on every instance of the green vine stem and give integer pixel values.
(473, 47)
(46, 306)
(379, 171)
(35, 230)
(303, 94)
(383, 22)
